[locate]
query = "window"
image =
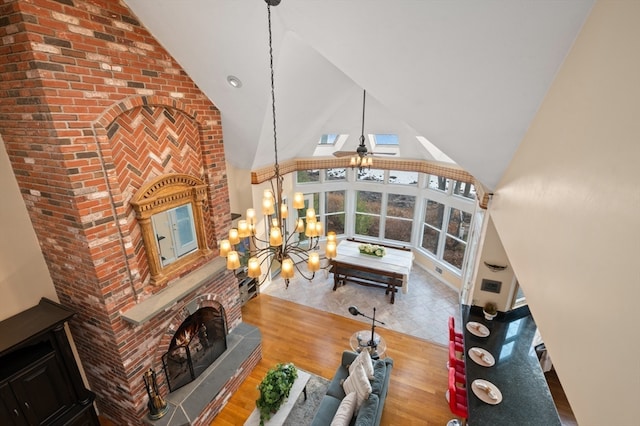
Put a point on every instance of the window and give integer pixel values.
(399, 217)
(335, 174)
(328, 139)
(308, 176)
(399, 177)
(433, 219)
(169, 212)
(335, 214)
(368, 206)
(456, 238)
(429, 212)
(371, 175)
(464, 189)
(384, 139)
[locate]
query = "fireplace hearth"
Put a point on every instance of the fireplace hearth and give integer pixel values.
(198, 342)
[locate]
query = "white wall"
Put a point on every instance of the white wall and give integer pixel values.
(24, 277)
(568, 214)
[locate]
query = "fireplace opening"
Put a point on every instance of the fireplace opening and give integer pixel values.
(198, 342)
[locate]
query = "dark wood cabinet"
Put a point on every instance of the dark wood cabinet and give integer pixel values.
(40, 383)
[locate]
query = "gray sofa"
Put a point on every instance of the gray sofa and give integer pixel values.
(371, 410)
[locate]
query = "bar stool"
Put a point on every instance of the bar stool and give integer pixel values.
(457, 364)
(457, 398)
(453, 334)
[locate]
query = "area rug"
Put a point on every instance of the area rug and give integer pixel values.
(302, 411)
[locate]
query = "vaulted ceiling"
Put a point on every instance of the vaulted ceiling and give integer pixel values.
(467, 75)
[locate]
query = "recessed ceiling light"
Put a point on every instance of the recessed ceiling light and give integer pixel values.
(234, 81)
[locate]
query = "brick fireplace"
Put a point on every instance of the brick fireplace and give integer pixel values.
(91, 109)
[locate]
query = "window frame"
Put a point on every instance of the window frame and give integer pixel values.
(159, 195)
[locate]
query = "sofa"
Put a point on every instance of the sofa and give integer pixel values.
(371, 410)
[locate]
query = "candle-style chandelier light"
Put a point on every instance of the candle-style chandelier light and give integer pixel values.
(287, 248)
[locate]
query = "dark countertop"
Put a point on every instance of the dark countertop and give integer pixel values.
(517, 372)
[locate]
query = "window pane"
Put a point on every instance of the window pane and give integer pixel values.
(368, 202)
(335, 174)
(368, 225)
(334, 201)
(398, 229)
(305, 176)
(454, 252)
(328, 139)
(459, 224)
(335, 223)
(434, 214)
(401, 205)
(430, 238)
(464, 189)
(439, 183)
(372, 175)
(403, 178)
(384, 139)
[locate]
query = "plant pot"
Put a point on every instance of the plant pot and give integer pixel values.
(489, 316)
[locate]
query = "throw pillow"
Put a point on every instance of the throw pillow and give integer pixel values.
(364, 359)
(379, 372)
(346, 410)
(358, 382)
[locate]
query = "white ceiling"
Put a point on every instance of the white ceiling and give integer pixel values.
(467, 75)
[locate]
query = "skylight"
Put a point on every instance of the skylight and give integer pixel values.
(382, 139)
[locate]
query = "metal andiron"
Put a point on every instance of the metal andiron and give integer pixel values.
(157, 405)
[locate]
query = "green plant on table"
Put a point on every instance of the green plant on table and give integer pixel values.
(274, 389)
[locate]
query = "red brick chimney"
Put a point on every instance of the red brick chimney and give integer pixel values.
(92, 108)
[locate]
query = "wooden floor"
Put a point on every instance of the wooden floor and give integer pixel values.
(314, 340)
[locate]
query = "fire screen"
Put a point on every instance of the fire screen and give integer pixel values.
(198, 342)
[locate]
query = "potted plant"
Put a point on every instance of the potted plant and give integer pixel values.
(274, 389)
(490, 310)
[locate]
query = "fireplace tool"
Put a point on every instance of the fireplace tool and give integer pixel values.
(157, 405)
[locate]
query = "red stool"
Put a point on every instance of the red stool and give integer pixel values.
(457, 397)
(454, 336)
(457, 364)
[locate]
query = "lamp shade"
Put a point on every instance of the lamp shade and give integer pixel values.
(243, 229)
(225, 248)
(275, 237)
(287, 268)
(284, 211)
(319, 229)
(298, 200)
(331, 236)
(314, 261)
(300, 225)
(311, 214)
(267, 206)
(233, 236)
(233, 260)
(251, 216)
(253, 267)
(331, 249)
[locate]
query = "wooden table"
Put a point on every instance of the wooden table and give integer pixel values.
(389, 272)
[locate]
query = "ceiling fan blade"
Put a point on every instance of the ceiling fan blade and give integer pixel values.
(382, 153)
(340, 154)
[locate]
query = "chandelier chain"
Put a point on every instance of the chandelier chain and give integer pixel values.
(364, 97)
(273, 91)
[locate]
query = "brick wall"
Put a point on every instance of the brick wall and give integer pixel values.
(92, 107)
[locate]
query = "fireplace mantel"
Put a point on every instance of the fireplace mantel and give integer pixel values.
(148, 308)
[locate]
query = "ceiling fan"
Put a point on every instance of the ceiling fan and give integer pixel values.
(361, 151)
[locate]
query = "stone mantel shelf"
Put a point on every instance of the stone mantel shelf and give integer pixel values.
(148, 308)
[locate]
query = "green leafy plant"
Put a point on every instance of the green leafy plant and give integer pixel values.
(274, 389)
(490, 308)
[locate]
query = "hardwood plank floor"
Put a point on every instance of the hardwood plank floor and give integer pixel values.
(314, 341)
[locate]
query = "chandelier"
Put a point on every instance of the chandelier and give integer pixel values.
(289, 249)
(361, 160)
